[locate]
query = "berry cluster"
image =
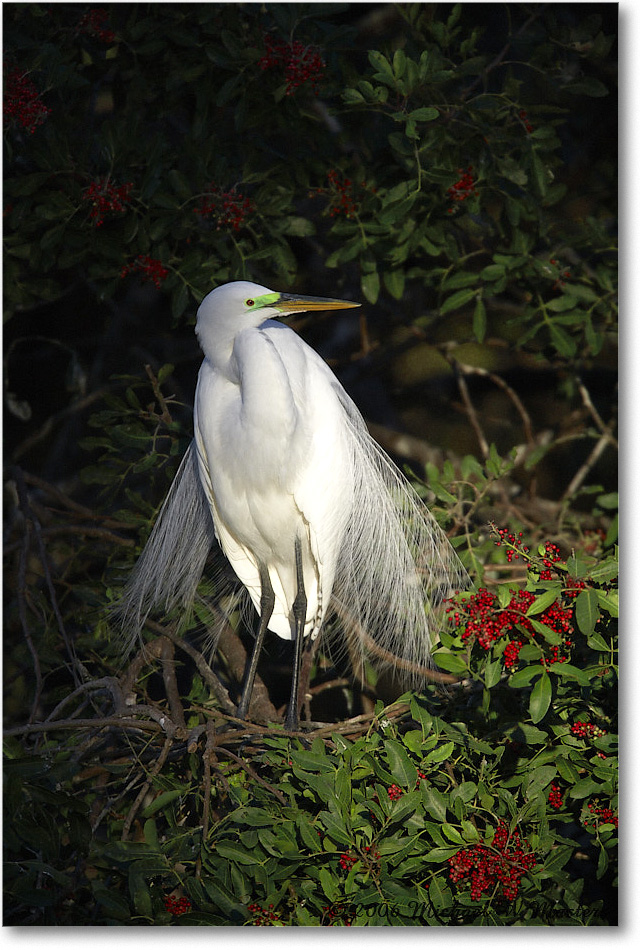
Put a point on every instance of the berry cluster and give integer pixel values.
(394, 792)
(558, 280)
(601, 815)
(515, 547)
(341, 192)
(148, 267)
(338, 915)
(22, 105)
(346, 861)
(573, 587)
(552, 555)
(463, 188)
(341, 200)
(486, 622)
(177, 905)
(300, 63)
(94, 23)
(228, 208)
(263, 918)
(586, 730)
(106, 198)
(555, 796)
(523, 116)
(502, 864)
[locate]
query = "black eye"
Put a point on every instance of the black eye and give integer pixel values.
(249, 303)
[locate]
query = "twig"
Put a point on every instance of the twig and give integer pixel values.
(67, 502)
(208, 756)
(253, 775)
(29, 514)
(360, 634)
(583, 470)
(171, 686)
(120, 722)
(510, 392)
(108, 683)
(48, 425)
(166, 415)
(599, 422)
(470, 409)
(143, 792)
(82, 530)
(201, 664)
(22, 611)
(502, 53)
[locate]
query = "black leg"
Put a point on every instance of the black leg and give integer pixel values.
(267, 606)
(299, 609)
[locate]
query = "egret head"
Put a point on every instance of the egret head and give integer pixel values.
(242, 304)
(248, 304)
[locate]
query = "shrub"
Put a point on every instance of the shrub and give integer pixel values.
(449, 168)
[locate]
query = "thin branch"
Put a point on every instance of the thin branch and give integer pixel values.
(143, 792)
(166, 415)
(510, 392)
(107, 683)
(599, 422)
(28, 513)
(54, 492)
(583, 471)
(119, 722)
(22, 611)
(470, 409)
(208, 755)
(253, 775)
(502, 53)
(171, 686)
(49, 424)
(203, 667)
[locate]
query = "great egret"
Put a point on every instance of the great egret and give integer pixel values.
(310, 512)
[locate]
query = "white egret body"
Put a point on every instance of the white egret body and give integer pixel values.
(309, 511)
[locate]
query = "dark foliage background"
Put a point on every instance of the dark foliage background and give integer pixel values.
(454, 168)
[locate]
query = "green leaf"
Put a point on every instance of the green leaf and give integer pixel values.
(424, 114)
(440, 754)
(524, 676)
(328, 884)
(539, 174)
(542, 601)
(538, 779)
(370, 286)
(313, 761)
(436, 802)
(165, 798)
(402, 768)
(456, 300)
(588, 86)
(234, 852)
(493, 272)
(563, 343)
(479, 320)
(586, 610)
(336, 828)
(450, 662)
(609, 601)
(394, 282)
(437, 894)
(449, 831)
(353, 97)
(493, 674)
(541, 696)
(559, 304)
(299, 227)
